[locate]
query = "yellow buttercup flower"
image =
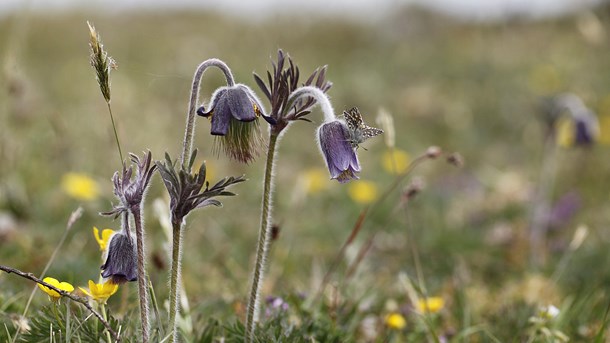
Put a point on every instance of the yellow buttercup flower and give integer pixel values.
(565, 132)
(103, 239)
(395, 321)
(363, 192)
(80, 186)
(430, 305)
(604, 129)
(64, 286)
(100, 292)
(316, 180)
(395, 161)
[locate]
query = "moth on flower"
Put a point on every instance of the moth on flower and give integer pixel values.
(358, 130)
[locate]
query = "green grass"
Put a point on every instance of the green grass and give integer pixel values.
(467, 88)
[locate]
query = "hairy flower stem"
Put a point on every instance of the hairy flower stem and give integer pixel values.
(142, 284)
(264, 236)
(187, 144)
(175, 276)
(187, 149)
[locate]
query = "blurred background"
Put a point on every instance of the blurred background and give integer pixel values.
(467, 76)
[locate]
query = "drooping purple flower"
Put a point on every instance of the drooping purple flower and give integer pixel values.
(234, 111)
(340, 156)
(586, 129)
(121, 260)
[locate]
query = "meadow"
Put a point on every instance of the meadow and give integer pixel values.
(438, 253)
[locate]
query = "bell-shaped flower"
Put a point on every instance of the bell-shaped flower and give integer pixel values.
(121, 259)
(340, 156)
(234, 111)
(100, 292)
(54, 295)
(586, 129)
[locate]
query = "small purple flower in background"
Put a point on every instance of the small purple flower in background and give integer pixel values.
(275, 306)
(234, 111)
(121, 260)
(340, 156)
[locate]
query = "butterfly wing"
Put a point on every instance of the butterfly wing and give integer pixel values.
(353, 119)
(368, 132)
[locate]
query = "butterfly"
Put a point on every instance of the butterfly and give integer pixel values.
(358, 130)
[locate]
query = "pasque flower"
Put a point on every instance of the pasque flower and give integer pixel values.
(234, 111)
(130, 192)
(121, 259)
(340, 156)
(571, 121)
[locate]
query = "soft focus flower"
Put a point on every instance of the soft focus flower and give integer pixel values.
(231, 109)
(100, 292)
(395, 161)
(395, 321)
(548, 312)
(275, 305)
(103, 239)
(121, 261)
(579, 127)
(340, 156)
(430, 305)
(315, 180)
(363, 192)
(604, 129)
(80, 186)
(64, 286)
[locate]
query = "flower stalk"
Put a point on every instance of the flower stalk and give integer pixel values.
(186, 189)
(289, 103)
(264, 236)
(142, 277)
(176, 274)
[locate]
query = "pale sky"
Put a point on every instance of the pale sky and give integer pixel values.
(468, 9)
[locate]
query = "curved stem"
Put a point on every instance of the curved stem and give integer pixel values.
(316, 93)
(263, 242)
(175, 276)
(142, 289)
(187, 145)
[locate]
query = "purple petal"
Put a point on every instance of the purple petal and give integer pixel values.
(221, 117)
(121, 262)
(341, 159)
(240, 105)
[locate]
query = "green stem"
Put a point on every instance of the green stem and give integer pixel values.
(175, 276)
(68, 333)
(116, 135)
(103, 310)
(539, 217)
(263, 242)
(56, 313)
(142, 288)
